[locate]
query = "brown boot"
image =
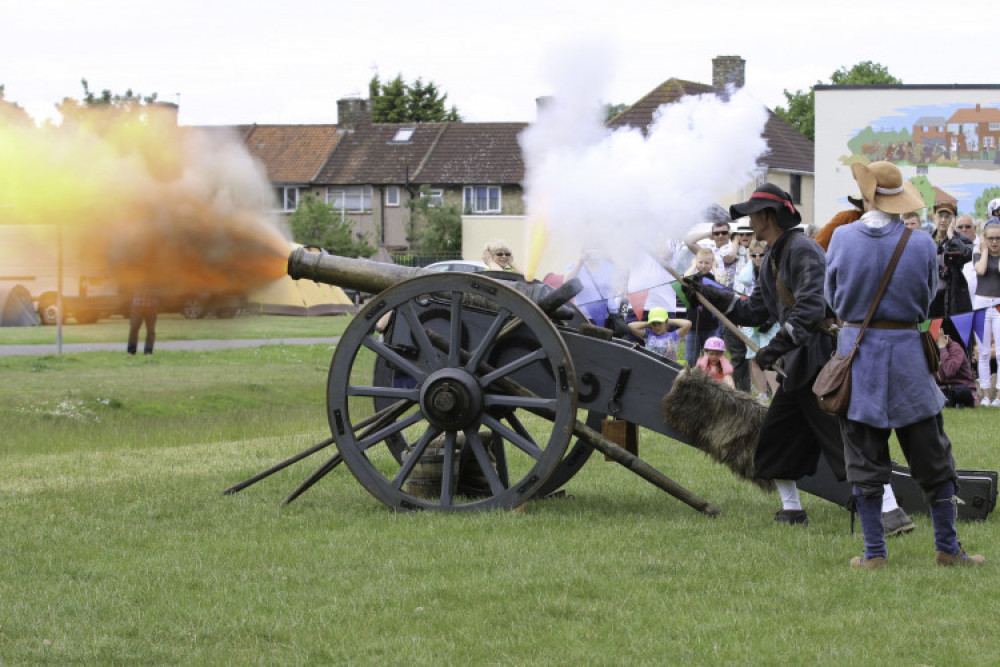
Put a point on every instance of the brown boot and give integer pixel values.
(961, 558)
(870, 563)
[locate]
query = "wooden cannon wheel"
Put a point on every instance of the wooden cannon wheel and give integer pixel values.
(496, 407)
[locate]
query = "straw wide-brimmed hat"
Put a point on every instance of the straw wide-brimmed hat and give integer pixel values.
(882, 184)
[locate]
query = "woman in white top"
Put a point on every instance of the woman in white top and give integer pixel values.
(987, 264)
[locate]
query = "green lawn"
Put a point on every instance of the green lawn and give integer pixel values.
(118, 548)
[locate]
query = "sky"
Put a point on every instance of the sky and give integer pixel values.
(289, 63)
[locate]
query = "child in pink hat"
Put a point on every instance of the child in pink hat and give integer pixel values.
(714, 361)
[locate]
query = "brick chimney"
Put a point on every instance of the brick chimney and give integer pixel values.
(727, 70)
(351, 111)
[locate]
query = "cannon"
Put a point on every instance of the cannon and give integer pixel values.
(461, 391)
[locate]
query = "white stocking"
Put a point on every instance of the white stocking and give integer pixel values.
(888, 499)
(789, 494)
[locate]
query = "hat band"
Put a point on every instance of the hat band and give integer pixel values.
(768, 195)
(888, 191)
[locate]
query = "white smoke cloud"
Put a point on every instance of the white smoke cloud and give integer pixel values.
(622, 191)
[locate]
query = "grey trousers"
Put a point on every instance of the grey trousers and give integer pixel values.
(925, 445)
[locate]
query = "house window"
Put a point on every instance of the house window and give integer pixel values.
(350, 200)
(795, 187)
(392, 195)
(994, 127)
(989, 141)
(288, 198)
(403, 135)
(436, 198)
(482, 199)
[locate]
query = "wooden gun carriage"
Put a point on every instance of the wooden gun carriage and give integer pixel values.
(461, 391)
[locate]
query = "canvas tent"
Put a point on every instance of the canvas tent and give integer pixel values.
(16, 309)
(285, 296)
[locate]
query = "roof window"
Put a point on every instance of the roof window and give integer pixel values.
(403, 135)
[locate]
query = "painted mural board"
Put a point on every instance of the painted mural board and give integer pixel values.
(944, 138)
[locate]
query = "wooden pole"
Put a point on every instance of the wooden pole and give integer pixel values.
(726, 322)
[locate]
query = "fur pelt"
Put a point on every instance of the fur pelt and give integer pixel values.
(721, 421)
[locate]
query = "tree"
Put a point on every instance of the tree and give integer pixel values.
(441, 228)
(400, 102)
(926, 190)
(801, 111)
(315, 223)
(71, 108)
(989, 194)
(12, 114)
(612, 110)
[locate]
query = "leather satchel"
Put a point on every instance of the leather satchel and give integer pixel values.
(932, 353)
(833, 384)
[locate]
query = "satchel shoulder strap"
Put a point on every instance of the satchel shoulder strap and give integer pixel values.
(885, 282)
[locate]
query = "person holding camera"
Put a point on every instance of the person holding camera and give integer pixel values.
(954, 250)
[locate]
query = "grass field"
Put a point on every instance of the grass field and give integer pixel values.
(117, 546)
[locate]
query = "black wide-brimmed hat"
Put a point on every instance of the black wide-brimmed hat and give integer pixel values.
(769, 196)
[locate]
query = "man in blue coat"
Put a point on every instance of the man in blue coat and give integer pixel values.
(789, 289)
(892, 385)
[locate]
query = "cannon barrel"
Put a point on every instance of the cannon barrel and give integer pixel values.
(363, 275)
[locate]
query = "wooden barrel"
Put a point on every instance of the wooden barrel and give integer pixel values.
(427, 474)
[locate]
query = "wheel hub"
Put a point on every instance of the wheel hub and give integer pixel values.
(451, 399)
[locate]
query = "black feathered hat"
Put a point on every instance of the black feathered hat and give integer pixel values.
(769, 196)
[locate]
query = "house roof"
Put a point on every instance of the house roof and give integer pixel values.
(475, 153)
(941, 195)
(789, 149)
(291, 153)
(435, 153)
(640, 114)
(931, 120)
(369, 154)
(976, 115)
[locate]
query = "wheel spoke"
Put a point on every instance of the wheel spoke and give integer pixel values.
(523, 442)
(507, 369)
(483, 459)
(420, 335)
(393, 357)
(384, 415)
(414, 456)
(384, 433)
(473, 363)
(448, 473)
(500, 454)
(455, 339)
(384, 392)
(528, 403)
